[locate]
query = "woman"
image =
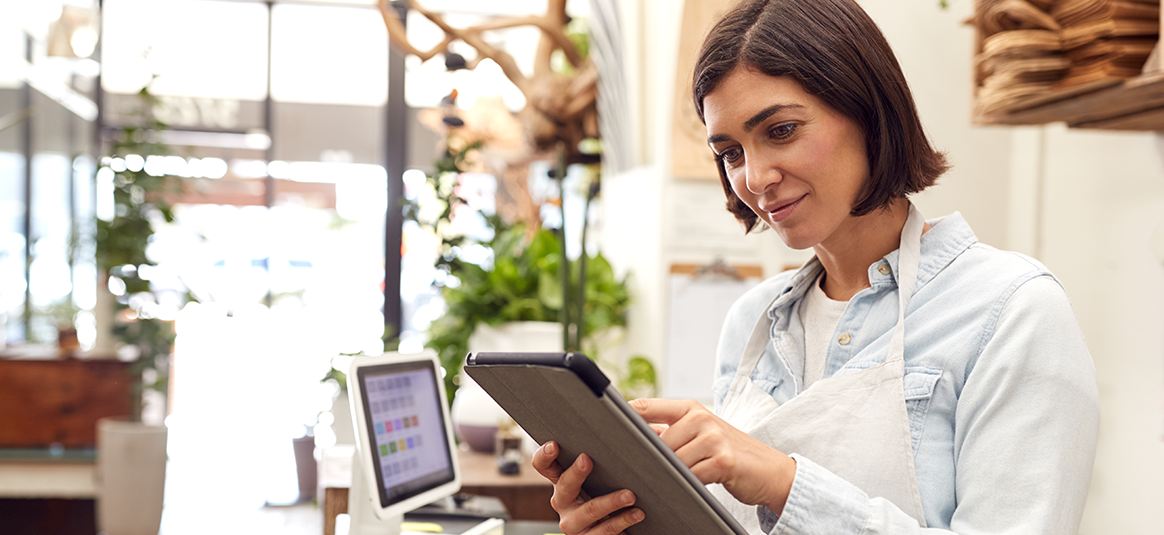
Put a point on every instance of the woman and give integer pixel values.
(974, 411)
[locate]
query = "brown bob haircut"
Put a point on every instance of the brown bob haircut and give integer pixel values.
(837, 53)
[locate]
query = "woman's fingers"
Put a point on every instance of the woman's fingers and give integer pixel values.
(620, 522)
(579, 514)
(568, 488)
(702, 450)
(708, 470)
(613, 525)
(545, 461)
(685, 421)
(663, 411)
(591, 517)
(716, 452)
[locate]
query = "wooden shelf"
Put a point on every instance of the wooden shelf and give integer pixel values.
(1135, 104)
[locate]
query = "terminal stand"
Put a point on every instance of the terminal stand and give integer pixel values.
(360, 508)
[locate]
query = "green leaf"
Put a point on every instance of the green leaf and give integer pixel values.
(640, 380)
(550, 290)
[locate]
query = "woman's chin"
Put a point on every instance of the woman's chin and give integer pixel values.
(795, 240)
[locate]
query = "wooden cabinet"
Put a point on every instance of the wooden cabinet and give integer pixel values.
(58, 401)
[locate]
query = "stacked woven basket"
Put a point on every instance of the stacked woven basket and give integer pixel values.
(1033, 48)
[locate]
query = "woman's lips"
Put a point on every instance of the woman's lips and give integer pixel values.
(784, 211)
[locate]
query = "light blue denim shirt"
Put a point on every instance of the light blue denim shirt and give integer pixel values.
(1000, 391)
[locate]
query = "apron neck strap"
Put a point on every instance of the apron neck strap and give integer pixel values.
(908, 257)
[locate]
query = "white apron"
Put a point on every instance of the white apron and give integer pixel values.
(854, 425)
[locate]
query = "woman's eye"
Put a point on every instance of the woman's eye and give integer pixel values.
(730, 155)
(783, 131)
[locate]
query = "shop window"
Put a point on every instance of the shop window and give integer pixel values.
(328, 55)
(11, 246)
(198, 48)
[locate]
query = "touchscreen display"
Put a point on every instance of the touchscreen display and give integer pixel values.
(402, 407)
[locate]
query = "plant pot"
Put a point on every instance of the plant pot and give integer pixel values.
(475, 415)
(306, 469)
(342, 426)
(131, 477)
(517, 336)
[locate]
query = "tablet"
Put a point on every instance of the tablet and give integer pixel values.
(564, 397)
(407, 455)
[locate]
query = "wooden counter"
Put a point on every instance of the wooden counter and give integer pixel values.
(526, 496)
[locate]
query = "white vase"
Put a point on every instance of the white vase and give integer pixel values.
(517, 336)
(475, 415)
(131, 477)
(345, 430)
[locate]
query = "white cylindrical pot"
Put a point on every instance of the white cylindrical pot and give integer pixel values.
(517, 336)
(105, 344)
(345, 430)
(131, 477)
(475, 414)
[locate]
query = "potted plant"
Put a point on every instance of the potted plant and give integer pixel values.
(131, 455)
(529, 277)
(528, 295)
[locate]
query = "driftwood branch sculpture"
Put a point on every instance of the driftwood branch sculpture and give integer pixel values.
(559, 108)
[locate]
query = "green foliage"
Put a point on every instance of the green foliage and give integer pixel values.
(525, 284)
(578, 31)
(444, 183)
(529, 279)
(140, 202)
(640, 380)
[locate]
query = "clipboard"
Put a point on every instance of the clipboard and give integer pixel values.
(698, 300)
(564, 397)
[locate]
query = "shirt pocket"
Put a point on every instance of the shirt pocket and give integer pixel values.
(719, 388)
(765, 382)
(919, 390)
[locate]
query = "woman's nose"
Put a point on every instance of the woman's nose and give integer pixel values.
(761, 174)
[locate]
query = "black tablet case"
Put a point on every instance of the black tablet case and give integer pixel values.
(564, 397)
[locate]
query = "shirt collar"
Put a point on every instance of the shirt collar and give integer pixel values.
(947, 238)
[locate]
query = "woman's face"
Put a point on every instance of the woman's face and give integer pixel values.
(796, 162)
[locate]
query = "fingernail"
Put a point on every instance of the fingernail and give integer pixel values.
(583, 462)
(626, 497)
(548, 448)
(636, 515)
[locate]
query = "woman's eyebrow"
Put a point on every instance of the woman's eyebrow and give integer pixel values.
(750, 124)
(756, 119)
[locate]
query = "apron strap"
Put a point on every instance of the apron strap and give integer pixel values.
(908, 256)
(756, 342)
(909, 253)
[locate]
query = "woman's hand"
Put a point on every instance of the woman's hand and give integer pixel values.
(579, 514)
(716, 452)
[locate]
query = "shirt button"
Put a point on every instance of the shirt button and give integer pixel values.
(845, 339)
(883, 269)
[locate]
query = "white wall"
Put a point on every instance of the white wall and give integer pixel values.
(1104, 198)
(1084, 203)
(651, 220)
(934, 49)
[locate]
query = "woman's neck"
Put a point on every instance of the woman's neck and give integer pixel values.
(857, 244)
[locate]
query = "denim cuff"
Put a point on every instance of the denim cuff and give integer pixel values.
(820, 502)
(768, 519)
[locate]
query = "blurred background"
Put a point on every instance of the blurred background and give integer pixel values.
(228, 199)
